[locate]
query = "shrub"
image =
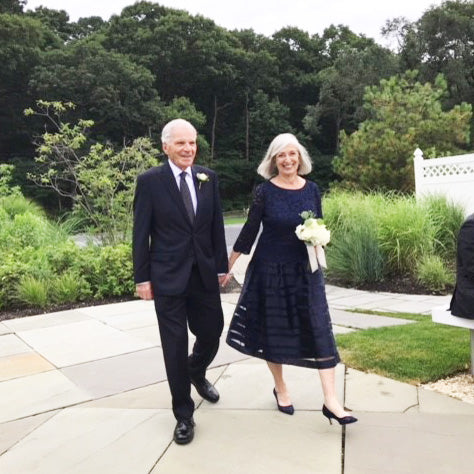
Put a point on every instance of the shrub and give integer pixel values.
(17, 204)
(432, 273)
(63, 256)
(11, 272)
(107, 269)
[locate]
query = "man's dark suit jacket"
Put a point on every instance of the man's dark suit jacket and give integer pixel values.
(166, 243)
(462, 302)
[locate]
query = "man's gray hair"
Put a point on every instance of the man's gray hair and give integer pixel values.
(167, 131)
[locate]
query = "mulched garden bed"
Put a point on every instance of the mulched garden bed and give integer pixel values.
(392, 285)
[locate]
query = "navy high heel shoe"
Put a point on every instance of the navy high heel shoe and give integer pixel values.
(345, 420)
(287, 409)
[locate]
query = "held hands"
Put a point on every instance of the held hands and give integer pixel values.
(224, 279)
(144, 291)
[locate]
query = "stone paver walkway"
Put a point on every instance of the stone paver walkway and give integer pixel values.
(84, 391)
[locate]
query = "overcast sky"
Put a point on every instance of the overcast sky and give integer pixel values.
(267, 16)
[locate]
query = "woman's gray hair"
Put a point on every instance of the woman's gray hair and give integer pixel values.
(167, 131)
(267, 168)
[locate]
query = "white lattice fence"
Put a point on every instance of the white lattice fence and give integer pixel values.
(452, 176)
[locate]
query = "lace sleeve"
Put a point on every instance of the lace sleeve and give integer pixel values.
(249, 231)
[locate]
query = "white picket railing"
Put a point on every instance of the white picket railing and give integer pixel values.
(452, 176)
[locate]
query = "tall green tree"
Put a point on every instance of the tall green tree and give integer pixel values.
(114, 91)
(404, 114)
(441, 41)
(22, 41)
(12, 6)
(342, 85)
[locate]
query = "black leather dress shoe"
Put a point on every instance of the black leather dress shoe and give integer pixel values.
(184, 431)
(206, 390)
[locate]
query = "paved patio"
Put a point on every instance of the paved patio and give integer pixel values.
(84, 391)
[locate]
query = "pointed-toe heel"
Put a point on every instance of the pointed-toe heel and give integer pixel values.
(287, 409)
(345, 420)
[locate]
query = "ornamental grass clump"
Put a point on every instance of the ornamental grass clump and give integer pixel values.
(355, 255)
(447, 218)
(406, 234)
(32, 291)
(69, 288)
(432, 272)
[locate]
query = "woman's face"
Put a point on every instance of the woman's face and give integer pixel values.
(288, 161)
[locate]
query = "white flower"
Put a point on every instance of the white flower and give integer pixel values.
(202, 178)
(312, 231)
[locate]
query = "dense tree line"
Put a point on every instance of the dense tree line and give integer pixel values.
(151, 63)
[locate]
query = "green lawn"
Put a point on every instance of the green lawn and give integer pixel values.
(234, 220)
(414, 353)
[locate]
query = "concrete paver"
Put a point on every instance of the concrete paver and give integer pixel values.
(257, 442)
(104, 406)
(302, 383)
(34, 394)
(4, 329)
(79, 342)
(19, 365)
(45, 320)
(14, 431)
(373, 393)
(409, 443)
(104, 377)
(435, 402)
(94, 440)
(147, 333)
(10, 344)
(127, 321)
(364, 321)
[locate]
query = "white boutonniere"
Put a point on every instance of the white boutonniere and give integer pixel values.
(202, 178)
(313, 233)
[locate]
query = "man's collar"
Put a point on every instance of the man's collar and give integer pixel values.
(177, 171)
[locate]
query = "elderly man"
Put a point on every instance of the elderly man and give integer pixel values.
(180, 258)
(462, 302)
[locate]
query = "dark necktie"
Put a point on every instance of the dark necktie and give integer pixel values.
(186, 195)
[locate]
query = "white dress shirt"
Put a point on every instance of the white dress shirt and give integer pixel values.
(189, 181)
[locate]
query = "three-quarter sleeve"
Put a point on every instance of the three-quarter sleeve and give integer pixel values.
(249, 231)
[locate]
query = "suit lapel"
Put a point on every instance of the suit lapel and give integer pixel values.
(200, 194)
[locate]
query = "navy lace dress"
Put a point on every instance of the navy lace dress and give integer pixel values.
(282, 315)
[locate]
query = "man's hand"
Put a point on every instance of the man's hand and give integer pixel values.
(224, 279)
(144, 291)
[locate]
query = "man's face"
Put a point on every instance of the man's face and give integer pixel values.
(181, 147)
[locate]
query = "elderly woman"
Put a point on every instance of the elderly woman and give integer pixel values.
(282, 315)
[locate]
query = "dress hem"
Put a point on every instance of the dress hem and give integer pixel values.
(311, 364)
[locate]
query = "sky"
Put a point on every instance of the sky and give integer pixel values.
(268, 16)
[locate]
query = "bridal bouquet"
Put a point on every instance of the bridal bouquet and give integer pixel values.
(315, 235)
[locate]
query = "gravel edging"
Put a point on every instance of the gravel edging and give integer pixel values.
(460, 386)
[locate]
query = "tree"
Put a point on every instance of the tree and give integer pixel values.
(114, 91)
(403, 115)
(268, 118)
(21, 45)
(99, 181)
(12, 6)
(55, 20)
(441, 41)
(341, 92)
